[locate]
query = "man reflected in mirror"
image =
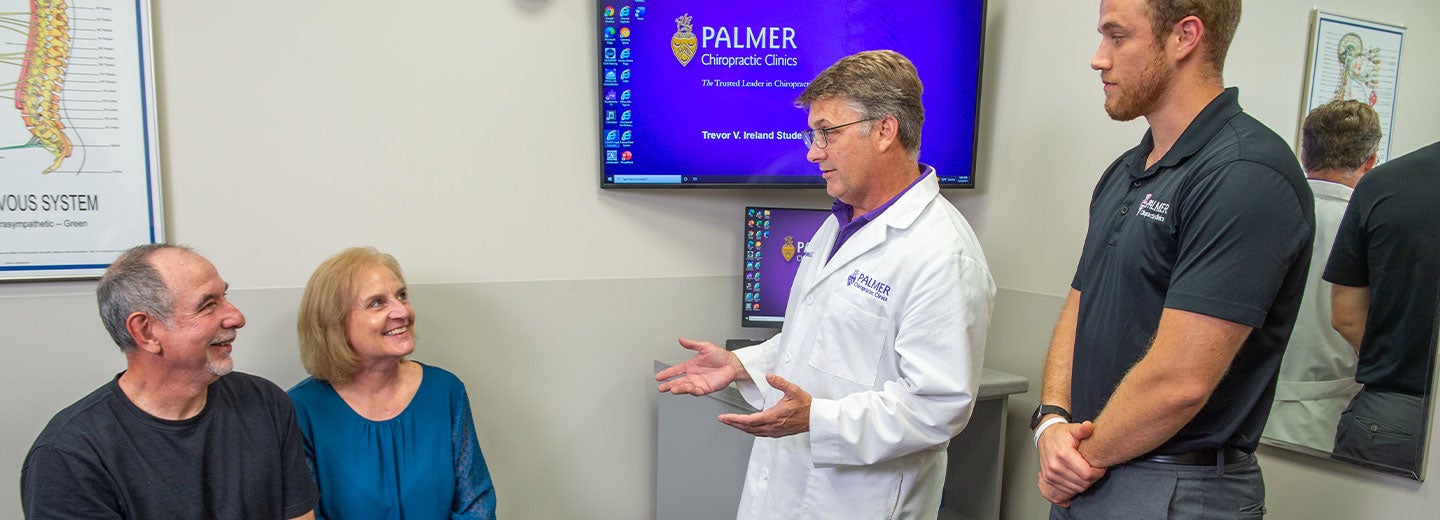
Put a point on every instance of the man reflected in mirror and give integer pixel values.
(1383, 267)
(1338, 143)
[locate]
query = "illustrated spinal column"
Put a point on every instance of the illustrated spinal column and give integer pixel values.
(42, 78)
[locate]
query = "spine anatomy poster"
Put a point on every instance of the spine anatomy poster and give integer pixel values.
(1354, 59)
(79, 169)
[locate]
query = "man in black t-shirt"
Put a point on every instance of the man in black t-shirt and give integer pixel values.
(1162, 368)
(177, 435)
(1384, 304)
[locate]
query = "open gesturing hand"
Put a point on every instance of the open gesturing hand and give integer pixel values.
(789, 416)
(710, 369)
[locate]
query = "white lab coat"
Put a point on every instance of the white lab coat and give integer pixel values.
(888, 337)
(1317, 375)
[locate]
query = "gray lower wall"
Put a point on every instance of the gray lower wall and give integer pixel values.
(559, 375)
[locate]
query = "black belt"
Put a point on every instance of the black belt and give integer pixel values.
(1210, 457)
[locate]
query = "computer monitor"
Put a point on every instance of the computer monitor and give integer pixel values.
(776, 242)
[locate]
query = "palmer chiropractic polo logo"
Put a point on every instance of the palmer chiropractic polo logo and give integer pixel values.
(683, 43)
(869, 285)
(1153, 209)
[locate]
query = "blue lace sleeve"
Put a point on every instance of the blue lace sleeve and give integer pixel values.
(474, 492)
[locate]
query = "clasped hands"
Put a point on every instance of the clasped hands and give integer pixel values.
(1065, 473)
(713, 368)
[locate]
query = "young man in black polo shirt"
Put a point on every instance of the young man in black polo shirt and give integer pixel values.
(1383, 268)
(1167, 349)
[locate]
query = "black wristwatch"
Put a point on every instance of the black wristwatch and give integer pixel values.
(1044, 410)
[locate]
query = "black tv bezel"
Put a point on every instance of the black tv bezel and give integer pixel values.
(598, 53)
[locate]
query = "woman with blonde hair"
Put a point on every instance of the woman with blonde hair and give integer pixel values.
(386, 437)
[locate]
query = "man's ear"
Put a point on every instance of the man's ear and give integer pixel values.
(888, 130)
(1188, 33)
(1369, 163)
(142, 328)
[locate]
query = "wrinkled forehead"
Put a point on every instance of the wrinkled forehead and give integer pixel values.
(190, 277)
(831, 111)
(372, 277)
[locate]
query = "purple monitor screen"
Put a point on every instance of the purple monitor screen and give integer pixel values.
(775, 240)
(702, 94)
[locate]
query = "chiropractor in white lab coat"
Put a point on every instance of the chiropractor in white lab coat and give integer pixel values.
(880, 359)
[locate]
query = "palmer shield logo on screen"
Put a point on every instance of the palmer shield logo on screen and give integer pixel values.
(683, 42)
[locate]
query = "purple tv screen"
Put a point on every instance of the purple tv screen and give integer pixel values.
(702, 94)
(775, 244)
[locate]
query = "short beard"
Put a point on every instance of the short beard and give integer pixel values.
(219, 366)
(1143, 95)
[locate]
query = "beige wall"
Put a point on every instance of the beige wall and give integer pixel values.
(458, 136)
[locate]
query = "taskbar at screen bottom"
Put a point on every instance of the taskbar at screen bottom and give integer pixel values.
(762, 322)
(748, 181)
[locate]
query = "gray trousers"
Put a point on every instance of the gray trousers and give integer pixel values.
(1149, 490)
(1382, 428)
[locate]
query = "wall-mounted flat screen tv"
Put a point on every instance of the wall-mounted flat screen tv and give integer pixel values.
(702, 94)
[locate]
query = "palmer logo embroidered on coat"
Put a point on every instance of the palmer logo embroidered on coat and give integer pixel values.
(869, 285)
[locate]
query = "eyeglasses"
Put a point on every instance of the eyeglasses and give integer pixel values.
(820, 136)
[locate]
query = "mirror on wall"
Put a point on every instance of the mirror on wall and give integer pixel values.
(1319, 403)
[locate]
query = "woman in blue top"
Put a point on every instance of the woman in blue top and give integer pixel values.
(386, 437)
